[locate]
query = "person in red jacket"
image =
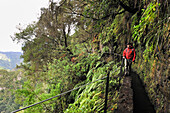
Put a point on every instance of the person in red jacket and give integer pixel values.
(129, 55)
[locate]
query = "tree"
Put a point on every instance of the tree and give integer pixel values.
(102, 26)
(10, 81)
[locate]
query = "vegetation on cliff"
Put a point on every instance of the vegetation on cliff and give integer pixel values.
(64, 50)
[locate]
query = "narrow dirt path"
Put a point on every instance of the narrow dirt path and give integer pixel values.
(141, 102)
(125, 104)
(133, 97)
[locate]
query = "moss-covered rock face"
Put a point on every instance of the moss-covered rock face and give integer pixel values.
(155, 79)
(151, 35)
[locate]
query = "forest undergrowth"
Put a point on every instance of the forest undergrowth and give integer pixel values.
(72, 44)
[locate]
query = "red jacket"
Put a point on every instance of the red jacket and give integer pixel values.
(129, 53)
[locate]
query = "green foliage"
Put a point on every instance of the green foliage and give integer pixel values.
(151, 33)
(62, 75)
(147, 19)
(10, 81)
(58, 58)
(91, 98)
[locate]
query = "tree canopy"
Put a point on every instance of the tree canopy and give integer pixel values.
(63, 50)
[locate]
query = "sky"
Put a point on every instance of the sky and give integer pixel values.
(13, 13)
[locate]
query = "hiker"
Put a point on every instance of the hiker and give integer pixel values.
(129, 55)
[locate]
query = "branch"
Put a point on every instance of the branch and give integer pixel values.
(127, 8)
(103, 18)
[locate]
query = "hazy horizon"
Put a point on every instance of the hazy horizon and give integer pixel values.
(14, 13)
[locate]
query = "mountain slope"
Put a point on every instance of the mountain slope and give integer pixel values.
(9, 60)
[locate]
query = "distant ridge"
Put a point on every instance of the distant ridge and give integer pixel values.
(9, 60)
